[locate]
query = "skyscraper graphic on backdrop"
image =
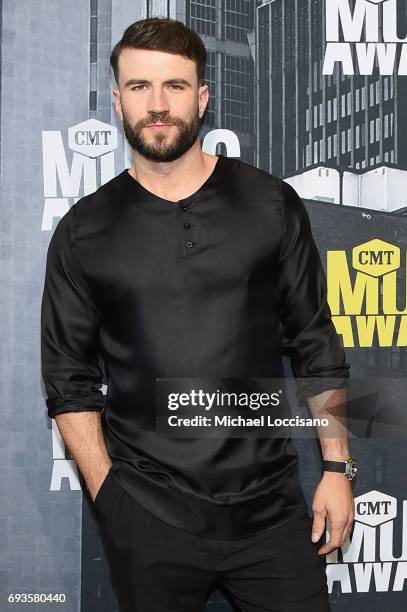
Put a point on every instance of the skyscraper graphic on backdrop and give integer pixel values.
(307, 117)
(227, 28)
(265, 71)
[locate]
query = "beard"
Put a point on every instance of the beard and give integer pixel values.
(162, 148)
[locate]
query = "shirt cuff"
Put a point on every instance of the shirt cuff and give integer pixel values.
(309, 386)
(75, 403)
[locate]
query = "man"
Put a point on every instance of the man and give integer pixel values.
(187, 266)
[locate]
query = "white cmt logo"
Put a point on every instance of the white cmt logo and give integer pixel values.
(92, 138)
(375, 508)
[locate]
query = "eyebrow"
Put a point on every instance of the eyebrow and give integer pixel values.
(131, 82)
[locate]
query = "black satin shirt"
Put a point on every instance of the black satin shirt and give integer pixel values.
(219, 284)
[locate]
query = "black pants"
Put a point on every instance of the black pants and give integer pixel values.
(156, 567)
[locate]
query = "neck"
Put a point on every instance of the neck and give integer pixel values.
(176, 179)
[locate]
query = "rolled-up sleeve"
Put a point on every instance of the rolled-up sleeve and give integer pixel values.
(71, 365)
(309, 336)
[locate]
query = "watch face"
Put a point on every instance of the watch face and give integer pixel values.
(351, 469)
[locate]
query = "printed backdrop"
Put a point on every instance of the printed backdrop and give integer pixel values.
(314, 91)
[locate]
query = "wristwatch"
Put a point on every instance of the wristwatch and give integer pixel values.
(349, 467)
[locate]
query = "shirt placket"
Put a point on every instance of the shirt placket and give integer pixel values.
(186, 227)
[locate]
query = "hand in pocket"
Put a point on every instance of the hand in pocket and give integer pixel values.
(101, 485)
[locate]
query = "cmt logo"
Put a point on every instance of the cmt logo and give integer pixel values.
(369, 36)
(375, 508)
(376, 258)
(367, 304)
(92, 138)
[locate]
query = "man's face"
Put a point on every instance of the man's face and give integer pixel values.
(159, 102)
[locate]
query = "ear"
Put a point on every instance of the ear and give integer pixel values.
(203, 99)
(117, 102)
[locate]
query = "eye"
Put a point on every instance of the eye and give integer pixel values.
(137, 87)
(177, 86)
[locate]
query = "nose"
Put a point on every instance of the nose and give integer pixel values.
(157, 102)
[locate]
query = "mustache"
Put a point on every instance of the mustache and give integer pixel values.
(158, 117)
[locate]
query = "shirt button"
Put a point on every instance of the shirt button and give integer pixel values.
(189, 244)
(184, 209)
(187, 225)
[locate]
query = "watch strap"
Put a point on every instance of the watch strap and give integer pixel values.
(334, 466)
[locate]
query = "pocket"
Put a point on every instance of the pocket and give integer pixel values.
(102, 488)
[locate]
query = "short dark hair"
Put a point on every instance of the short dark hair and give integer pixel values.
(162, 34)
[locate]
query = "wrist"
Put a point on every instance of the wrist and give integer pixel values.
(336, 454)
(341, 457)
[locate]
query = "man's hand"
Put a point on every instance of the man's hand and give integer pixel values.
(97, 480)
(333, 498)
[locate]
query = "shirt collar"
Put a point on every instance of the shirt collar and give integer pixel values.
(133, 187)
